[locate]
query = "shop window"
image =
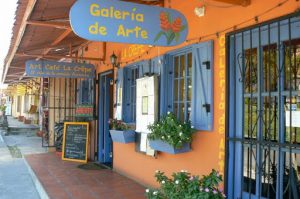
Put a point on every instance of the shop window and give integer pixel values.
(187, 88)
(182, 90)
(263, 133)
(126, 86)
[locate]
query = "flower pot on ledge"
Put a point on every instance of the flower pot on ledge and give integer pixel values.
(126, 136)
(162, 146)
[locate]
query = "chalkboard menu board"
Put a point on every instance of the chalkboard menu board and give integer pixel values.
(75, 141)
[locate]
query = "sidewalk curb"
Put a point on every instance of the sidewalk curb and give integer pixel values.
(39, 187)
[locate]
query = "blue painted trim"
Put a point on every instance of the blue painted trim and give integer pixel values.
(104, 139)
(162, 146)
(127, 136)
(202, 86)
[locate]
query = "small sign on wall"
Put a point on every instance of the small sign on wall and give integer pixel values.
(84, 110)
(59, 69)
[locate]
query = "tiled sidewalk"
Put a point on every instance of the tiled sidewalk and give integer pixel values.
(63, 180)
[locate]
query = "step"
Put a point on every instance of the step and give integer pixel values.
(20, 130)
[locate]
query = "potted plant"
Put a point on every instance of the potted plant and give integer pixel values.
(170, 135)
(185, 185)
(120, 131)
(2, 109)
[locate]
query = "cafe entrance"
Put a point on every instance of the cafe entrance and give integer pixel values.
(105, 102)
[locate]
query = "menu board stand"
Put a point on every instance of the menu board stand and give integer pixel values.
(75, 142)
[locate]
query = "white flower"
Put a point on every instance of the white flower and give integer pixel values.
(157, 171)
(163, 182)
(183, 171)
(180, 141)
(179, 125)
(155, 193)
(169, 112)
(177, 182)
(169, 136)
(180, 134)
(162, 137)
(147, 190)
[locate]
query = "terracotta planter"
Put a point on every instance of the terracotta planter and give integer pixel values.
(58, 153)
(127, 136)
(162, 146)
(40, 133)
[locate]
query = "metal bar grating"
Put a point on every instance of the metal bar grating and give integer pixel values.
(264, 111)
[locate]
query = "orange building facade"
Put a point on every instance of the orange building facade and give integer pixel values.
(229, 40)
(209, 148)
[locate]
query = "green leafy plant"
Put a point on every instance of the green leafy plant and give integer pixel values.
(169, 129)
(2, 107)
(115, 124)
(183, 185)
(169, 28)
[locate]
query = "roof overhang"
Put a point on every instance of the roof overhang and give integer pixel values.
(42, 31)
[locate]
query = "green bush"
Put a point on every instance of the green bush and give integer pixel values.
(115, 124)
(2, 107)
(169, 129)
(183, 185)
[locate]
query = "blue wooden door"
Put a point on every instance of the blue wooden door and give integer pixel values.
(105, 112)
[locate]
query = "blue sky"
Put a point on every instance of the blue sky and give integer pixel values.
(7, 14)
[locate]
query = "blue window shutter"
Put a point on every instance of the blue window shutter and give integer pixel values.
(85, 91)
(79, 91)
(166, 85)
(202, 85)
(126, 94)
(119, 88)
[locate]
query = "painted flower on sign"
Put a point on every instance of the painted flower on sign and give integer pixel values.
(170, 28)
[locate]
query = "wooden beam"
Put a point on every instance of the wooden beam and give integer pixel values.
(55, 42)
(61, 37)
(15, 67)
(15, 75)
(57, 57)
(29, 8)
(236, 2)
(48, 24)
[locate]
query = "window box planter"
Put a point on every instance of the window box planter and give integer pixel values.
(162, 146)
(126, 136)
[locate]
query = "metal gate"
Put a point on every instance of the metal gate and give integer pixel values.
(58, 101)
(263, 118)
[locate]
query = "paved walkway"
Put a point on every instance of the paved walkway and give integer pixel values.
(15, 180)
(44, 175)
(64, 180)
